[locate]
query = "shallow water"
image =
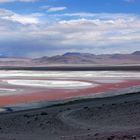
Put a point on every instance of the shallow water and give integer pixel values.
(50, 83)
(68, 74)
(26, 87)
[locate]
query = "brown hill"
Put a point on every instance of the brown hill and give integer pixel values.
(74, 59)
(87, 58)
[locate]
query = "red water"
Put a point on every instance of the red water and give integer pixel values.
(33, 94)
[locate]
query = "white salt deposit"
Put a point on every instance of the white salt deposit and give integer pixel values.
(109, 81)
(6, 91)
(64, 74)
(50, 83)
(2, 110)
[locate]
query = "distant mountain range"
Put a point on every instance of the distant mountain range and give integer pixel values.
(87, 58)
(74, 58)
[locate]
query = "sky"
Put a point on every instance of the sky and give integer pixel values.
(35, 28)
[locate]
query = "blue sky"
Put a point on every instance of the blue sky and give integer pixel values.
(34, 28)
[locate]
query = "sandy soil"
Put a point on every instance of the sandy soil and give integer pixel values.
(113, 118)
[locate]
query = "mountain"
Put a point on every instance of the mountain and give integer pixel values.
(87, 58)
(74, 58)
(72, 54)
(66, 59)
(136, 53)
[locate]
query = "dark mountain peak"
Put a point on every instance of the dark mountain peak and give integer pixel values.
(44, 57)
(72, 54)
(77, 54)
(136, 53)
(89, 58)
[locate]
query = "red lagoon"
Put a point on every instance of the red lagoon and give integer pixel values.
(30, 94)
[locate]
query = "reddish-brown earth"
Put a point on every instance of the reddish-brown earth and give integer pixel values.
(30, 94)
(108, 118)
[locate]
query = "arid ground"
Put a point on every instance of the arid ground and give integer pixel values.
(101, 105)
(114, 118)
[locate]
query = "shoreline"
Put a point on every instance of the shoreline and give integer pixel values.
(111, 118)
(37, 94)
(110, 111)
(44, 104)
(125, 67)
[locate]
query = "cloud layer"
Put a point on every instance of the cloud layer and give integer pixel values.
(50, 32)
(53, 9)
(11, 16)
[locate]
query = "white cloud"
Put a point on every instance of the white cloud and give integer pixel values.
(97, 33)
(14, 17)
(53, 9)
(22, 19)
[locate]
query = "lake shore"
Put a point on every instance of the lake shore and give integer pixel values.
(77, 67)
(103, 118)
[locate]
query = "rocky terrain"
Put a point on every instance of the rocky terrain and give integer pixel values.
(74, 59)
(113, 118)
